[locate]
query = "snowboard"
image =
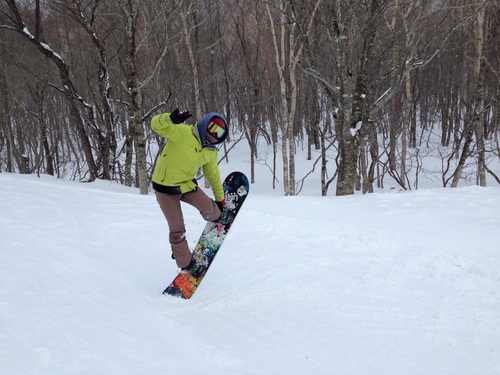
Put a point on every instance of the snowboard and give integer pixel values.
(236, 189)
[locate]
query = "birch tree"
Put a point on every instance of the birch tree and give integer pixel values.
(282, 61)
(288, 42)
(347, 89)
(475, 121)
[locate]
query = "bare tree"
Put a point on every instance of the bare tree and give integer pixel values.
(369, 81)
(288, 41)
(347, 91)
(14, 21)
(476, 118)
(89, 19)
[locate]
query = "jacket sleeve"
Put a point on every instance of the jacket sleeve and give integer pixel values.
(212, 173)
(163, 125)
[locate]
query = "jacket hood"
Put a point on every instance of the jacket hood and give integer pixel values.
(201, 129)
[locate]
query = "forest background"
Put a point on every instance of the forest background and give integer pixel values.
(367, 87)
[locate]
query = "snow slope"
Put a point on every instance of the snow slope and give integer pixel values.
(387, 283)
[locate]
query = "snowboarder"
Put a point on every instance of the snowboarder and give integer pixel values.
(188, 148)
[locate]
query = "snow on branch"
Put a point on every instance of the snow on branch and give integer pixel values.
(356, 128)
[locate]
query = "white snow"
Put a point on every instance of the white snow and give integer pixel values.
(403, 283)
(356, 128)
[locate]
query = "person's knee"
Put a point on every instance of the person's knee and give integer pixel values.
(213, 214)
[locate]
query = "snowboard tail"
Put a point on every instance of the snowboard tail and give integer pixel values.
(236, 189)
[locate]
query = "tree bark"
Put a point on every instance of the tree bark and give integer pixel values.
(477, 117)
(135, 95)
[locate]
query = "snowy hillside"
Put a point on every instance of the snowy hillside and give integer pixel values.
(381, 284)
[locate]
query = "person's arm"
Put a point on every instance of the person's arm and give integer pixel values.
(165, 124)
(212, 173)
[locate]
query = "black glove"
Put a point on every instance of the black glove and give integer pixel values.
(221, 204)
(179, 115)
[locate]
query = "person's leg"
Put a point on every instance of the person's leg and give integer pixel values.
(204, 204)
(171, 207)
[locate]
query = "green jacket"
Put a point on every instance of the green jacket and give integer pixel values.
(182, 157)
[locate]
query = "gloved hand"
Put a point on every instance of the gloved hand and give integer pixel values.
(221, 204)
(226, 216)
(179, 115)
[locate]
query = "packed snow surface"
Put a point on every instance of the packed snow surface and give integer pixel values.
(403, 283)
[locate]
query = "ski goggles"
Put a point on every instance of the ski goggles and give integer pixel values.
(216, 130)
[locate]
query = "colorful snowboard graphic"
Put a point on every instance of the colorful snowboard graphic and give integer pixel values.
(235, 190)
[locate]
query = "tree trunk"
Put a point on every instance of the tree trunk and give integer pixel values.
(186, 34)
(476, 118)
(479, 99)
(5, 110)
(280, 60)
(404, 130)
(134, 91)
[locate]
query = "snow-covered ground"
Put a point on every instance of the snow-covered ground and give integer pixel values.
(403, 283)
